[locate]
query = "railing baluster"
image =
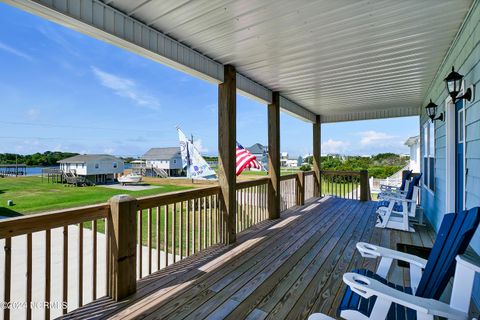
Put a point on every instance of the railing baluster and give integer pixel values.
(250, 207)
(48, 254)
(7, 276)
(180, 230)
(199, 224)
(187, 229)
(157, 232)
(253, 192)
(107, 255)
(140, 243)
(204, 222)
(80, 264)
(210, 221)
(149, 239)
(165, 234)
(65, 269)
(29, 276)
(94, 259)
(174, 242)
(218, 218)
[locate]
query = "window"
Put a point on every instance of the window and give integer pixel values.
(115, 165)
(96, 165)
(429, 155)
(174, 160)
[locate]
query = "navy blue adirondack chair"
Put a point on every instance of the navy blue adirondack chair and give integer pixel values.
(453, 238)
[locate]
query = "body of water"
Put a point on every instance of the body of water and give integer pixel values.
(35, 171)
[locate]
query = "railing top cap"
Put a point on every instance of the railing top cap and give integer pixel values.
(121, 198)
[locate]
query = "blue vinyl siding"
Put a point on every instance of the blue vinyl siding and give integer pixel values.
(465, 56)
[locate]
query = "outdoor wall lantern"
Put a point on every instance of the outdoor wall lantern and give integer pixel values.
(432, 111)
(454, 82)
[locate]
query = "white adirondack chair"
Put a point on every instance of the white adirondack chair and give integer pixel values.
(393, 191)
(396, 215)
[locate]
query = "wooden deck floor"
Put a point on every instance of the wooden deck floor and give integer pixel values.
(284, 269)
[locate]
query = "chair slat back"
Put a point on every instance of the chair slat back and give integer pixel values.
(406, 177)
(453, 238)
(414, 183)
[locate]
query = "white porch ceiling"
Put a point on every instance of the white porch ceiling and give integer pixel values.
(342, 59)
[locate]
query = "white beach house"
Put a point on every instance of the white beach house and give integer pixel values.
(414, 144)
(163, 160)
(98, 168)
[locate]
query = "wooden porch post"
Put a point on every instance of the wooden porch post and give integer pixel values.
(317, 145)
(122, 226)
(274, 157)
(364, 186)
(300, 188)
(227, 115)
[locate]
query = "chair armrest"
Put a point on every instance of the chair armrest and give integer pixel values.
(368, 250)
(397, 199)
(469, 262)
(368, 287)
(386, 186)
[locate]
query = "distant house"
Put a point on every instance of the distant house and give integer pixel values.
(283, 159)
(414, 144)
(258, 150)
(163, 162)
(98, 168)
(261, 152)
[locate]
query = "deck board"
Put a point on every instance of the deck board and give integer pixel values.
(283, 269)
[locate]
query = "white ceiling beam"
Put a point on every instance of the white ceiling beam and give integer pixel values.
(371, 114)
(295, 110)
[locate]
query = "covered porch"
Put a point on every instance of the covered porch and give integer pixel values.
(279, 269)
(274, 247)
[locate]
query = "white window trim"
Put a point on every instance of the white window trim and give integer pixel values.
(450, 165)
(427, 147)
(451, 123)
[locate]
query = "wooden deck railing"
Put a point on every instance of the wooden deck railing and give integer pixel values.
(62, 237)
(345, 184)
(103, 249)
(251, 202)
(176, 225)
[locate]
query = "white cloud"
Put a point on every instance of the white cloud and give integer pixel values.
(198, 144)
(33, 113)
(126, 88)
(57, 35)
(369, 138)
(334, 146)
(14, 51)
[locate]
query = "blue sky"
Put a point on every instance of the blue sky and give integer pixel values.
(62, 90)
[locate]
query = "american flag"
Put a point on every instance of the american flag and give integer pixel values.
(245, 159)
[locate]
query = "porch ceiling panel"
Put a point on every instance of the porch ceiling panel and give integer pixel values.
(343, 59)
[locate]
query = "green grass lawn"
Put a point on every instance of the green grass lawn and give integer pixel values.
(31, 195)
(283, 171)
(339, 189)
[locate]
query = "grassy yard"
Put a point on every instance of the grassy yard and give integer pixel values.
(31, 195)
(283, 171)
(339, 189)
